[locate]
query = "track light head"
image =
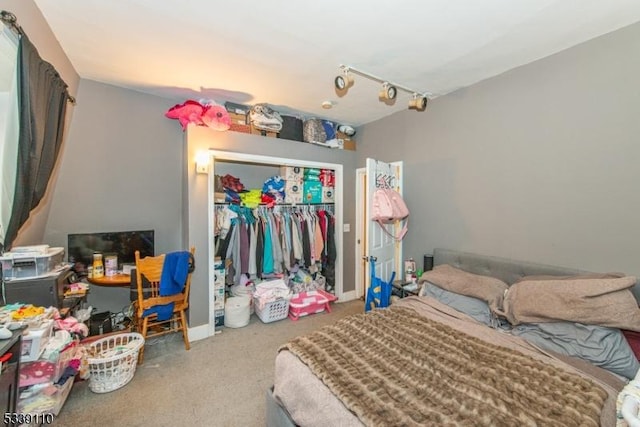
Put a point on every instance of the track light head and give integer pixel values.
(343, 81)
(418, 102)
(388, 92)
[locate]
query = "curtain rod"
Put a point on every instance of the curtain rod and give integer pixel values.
(10, 20)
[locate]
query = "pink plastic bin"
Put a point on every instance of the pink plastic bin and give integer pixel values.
(310, 302)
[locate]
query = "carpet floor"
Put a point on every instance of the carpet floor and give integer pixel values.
(221, 381)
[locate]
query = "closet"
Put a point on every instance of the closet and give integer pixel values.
(273, 217)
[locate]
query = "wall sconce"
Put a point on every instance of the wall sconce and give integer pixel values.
(202, 162)
(388, 92)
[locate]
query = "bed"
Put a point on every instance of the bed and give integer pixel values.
(427, 361)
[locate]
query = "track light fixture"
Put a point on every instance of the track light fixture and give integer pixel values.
(388, 92)
(418, 102)
(344, 80)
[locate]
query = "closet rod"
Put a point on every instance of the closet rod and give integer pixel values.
(325, 206)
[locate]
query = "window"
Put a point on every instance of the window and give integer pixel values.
(9, 124)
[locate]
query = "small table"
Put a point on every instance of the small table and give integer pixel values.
(399, 289)
(118, 280)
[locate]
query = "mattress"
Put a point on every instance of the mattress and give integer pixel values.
(310, 402)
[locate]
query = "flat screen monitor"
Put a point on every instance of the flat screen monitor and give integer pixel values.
(123, 244)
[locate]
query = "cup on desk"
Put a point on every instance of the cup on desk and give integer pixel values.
(110, 265)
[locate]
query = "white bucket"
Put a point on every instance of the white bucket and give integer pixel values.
(244, 291)
(236, 312)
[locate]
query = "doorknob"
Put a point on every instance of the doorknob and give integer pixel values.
(370, 258)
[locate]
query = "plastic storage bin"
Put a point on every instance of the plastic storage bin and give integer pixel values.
(34, 341)
(310, 302)
(19, 265)
(45, 371)
(45, 402)
(272, 311)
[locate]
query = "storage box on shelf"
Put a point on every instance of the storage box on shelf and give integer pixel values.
(238, 115)
(239, 119)
(218, 284)
(293, 191)
(239, 123)
(219, 288)
(292, 173)
(236, 127)
(327, 177)
(328, 194)
(235, 108)
(312, 192)
(268, 133)
(310, 302)
(218, 317)
(347, 142)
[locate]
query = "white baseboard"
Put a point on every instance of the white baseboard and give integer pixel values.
(348, 296)
(199, 333)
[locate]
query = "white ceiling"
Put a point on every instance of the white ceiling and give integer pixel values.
(287, 52)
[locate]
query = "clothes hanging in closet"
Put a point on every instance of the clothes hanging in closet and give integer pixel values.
(264, 241)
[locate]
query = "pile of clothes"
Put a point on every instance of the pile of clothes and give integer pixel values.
(270, 291)
(271, 193)
(230, 186)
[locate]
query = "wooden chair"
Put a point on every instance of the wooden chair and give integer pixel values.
(150, 268)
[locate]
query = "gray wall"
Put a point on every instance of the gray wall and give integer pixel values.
(121, 170)
(196, 221)
(539, 163)
(37, 29)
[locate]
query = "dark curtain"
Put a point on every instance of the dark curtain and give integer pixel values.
(42, 100)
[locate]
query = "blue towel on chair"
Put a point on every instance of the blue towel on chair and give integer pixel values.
(174, 273)
(172, 281)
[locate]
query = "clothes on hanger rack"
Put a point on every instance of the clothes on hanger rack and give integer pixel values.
(273, 242)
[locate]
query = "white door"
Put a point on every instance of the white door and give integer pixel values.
(385, 250)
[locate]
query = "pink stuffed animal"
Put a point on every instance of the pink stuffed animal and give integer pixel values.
(205, 113)
(188, 112)
(216, 117)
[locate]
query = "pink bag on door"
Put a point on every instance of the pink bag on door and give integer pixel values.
(389, 207)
